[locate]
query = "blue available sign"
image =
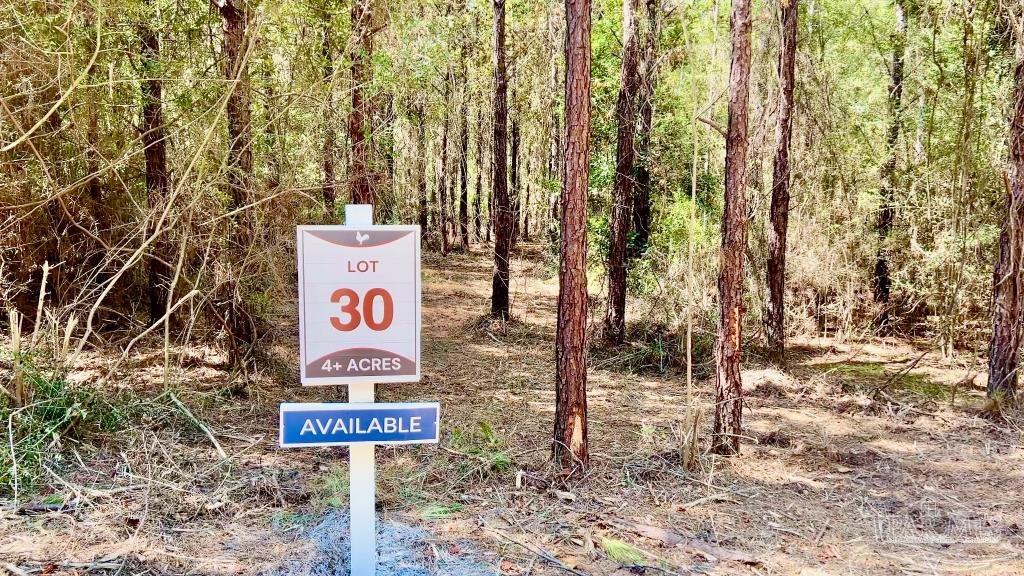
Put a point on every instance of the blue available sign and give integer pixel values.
(339, 424)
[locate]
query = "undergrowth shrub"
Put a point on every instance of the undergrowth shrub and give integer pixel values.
(57, 412)
(484, 445)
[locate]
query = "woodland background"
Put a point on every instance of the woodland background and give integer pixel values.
(156, 156)
(77, 77)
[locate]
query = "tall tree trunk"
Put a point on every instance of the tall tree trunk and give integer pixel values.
(330, 185)
(358, 120)
(464, 179)
(645, 115)
(1008, 278)
(502, 213)
(238, 321)
(489, 221)
(514, 180)
(421, 168)
(625, 117)
(479, 174)
(570, 435)
(442, 186)
(526, 214)
(887, 210)
(729, 386)
(555, 140)
(239, 113)
(774, 316)
(157, 177)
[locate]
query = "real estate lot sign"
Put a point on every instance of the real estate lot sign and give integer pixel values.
(359, 304)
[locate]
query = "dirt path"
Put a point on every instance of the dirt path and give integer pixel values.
(829, 482)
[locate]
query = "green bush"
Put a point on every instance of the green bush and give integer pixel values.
(57, 412)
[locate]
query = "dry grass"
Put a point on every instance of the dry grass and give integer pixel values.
(831, 479)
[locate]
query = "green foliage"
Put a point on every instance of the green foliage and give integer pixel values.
(438, 511)
(623, 552)
(333, 491)
(483, 444)
(58, 413)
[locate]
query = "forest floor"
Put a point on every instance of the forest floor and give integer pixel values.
(832, 479)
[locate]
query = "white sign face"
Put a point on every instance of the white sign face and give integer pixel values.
(359, 304)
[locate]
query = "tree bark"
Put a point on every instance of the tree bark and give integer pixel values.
(625, 117)
(645, 115)
(570, 434)
(502, 213)
(463, 180)
(238, 321)
(358, 121)
(1008, 283)
(887, 210)
(442, 185)
(330, 184)
(555, 150)
(729, 386)
(514, 181)
(775, 328)
(526, 215)
(477, 222)
(157, 177)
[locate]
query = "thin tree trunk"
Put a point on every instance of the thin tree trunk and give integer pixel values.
(463, 179)
(514, 179)
(330, 184)
(1008, 283)
(358, 121)
(238, 321)
(239, 114)
(442, 186)
(570, 434)
(421, 169)
(526, 215)
(502, 212)
(555, 137)
(157, 177)
(490, 211)
(477, 222)
(775, 328)
(729, 386)
(645, 115)
(625, 117)
(887, 210)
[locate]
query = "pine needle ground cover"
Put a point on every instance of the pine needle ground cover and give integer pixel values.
(831, 478)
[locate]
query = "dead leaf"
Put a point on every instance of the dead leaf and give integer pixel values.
(666, 536)
(566, 496)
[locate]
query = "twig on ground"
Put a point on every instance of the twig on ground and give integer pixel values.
(199, 424)
(895, 377)
(540, 552)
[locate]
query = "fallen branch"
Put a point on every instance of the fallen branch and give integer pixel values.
(198, 423)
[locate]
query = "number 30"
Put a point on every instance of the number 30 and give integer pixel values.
(349, 300)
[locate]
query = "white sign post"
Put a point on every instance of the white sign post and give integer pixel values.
(359, 324)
